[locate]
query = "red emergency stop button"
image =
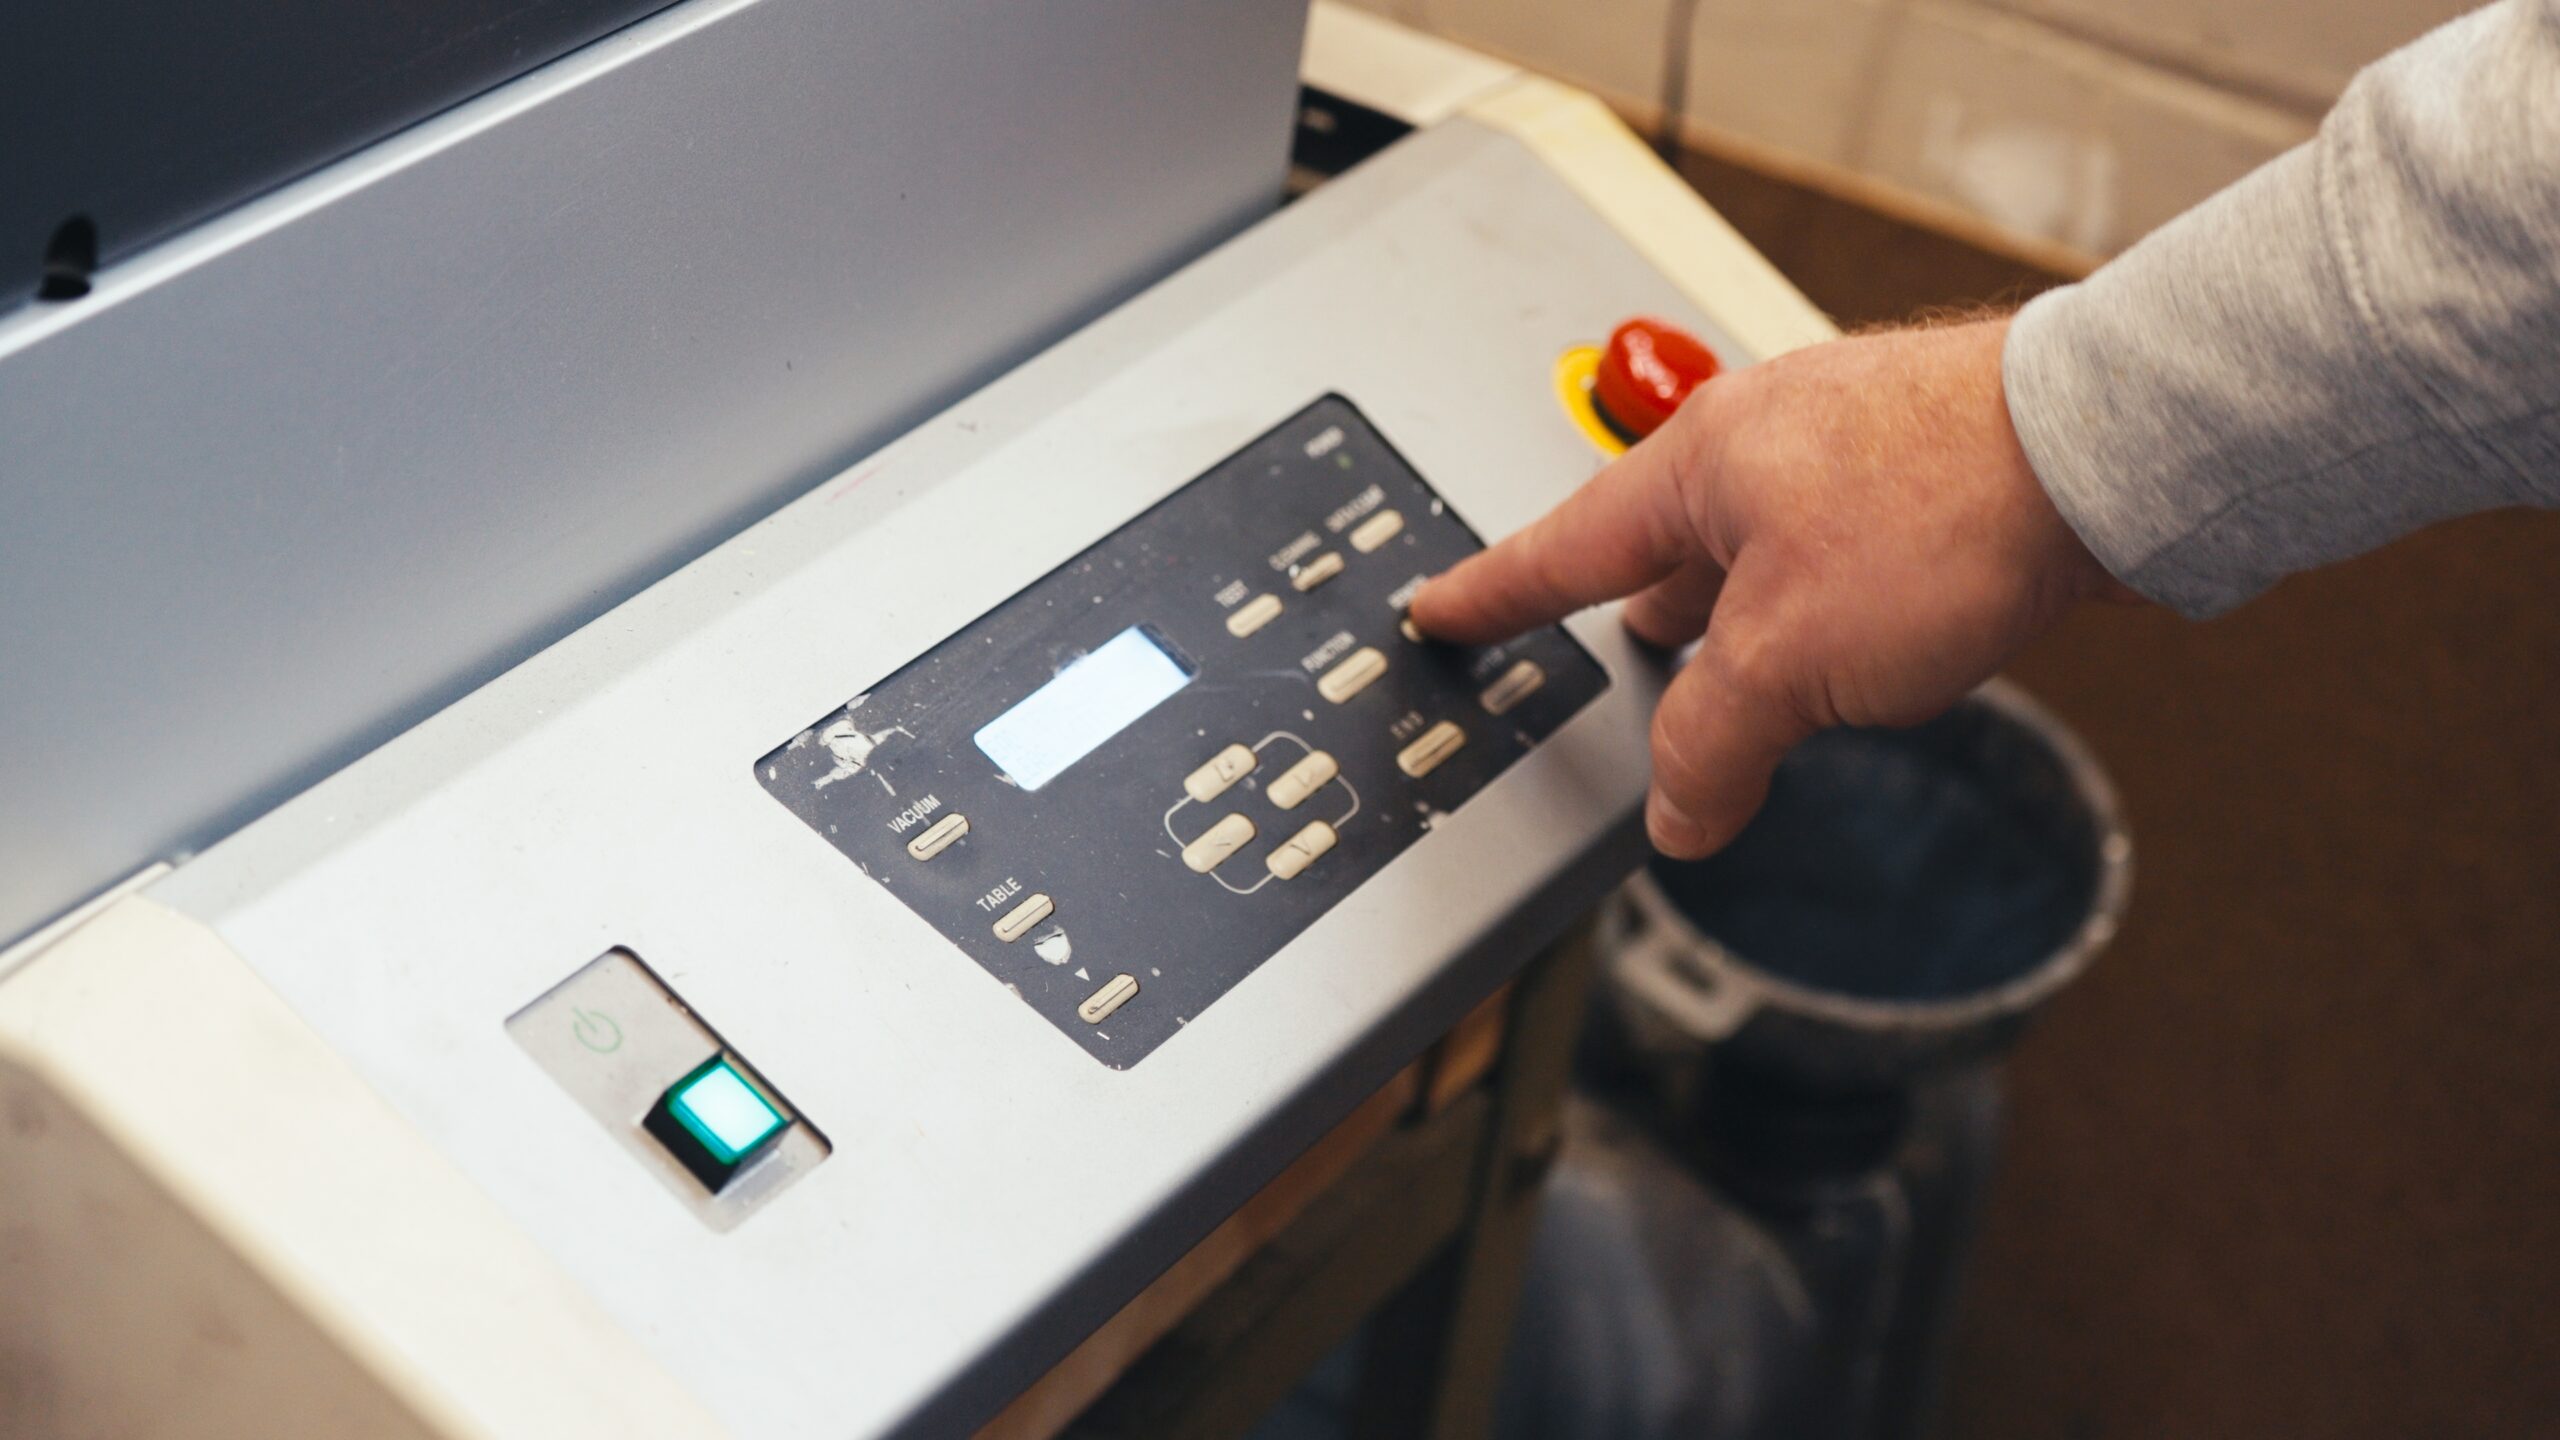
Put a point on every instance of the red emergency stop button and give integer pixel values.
(1648, 368)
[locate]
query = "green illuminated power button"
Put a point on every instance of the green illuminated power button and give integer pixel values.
(727, 1116)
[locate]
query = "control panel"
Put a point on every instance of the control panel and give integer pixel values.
(1133, 782)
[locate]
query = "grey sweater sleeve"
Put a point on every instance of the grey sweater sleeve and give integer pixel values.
(2358, 339)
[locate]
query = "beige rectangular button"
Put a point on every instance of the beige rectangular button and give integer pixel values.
(1220, 841)
(1316, 571)
(1017, 922)
(1352, 675)
(1224, 769)
(1377, 530)
(1115, 992)
(1312, 773)
(1300, 851)
(1424, 755)
(1252, 615)
(938, 839)
(1517, 684)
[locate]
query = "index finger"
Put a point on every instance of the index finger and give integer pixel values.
(1619, 533)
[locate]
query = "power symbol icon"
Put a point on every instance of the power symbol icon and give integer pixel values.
(596, 1030)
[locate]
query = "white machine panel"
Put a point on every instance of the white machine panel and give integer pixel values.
(991, 1193)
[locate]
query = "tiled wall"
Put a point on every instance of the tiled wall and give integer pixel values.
(2082, 123)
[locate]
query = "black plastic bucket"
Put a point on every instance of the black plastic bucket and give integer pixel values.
(1905, 902)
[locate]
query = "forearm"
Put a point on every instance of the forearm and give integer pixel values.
(2359, 339)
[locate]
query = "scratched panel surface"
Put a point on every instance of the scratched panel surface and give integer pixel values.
(1104, 838)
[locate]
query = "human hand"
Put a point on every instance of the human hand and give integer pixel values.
(1854, 530)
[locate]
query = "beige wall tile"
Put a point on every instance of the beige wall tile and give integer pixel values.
(1800, 75)
(2053, 137)
(2297, 52)
(2084, 122)
(1610, 47)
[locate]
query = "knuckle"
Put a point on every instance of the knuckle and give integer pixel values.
(1708, 410)
(1700, 431)
(1755, 450)
(1774, 668)
(1756, 660)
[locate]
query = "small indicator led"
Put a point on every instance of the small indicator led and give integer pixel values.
(717, 1107)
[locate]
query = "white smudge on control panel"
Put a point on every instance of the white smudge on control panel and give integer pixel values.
(1054, 947)
(852, 745)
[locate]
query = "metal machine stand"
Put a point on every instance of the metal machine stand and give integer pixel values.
(1424, 1240)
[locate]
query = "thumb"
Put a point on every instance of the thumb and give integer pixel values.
(1725, 721)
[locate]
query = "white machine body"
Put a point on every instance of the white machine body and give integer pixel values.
(274, 1161)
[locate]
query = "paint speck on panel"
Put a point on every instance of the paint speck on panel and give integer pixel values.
(851, 746)
(1054, 947)
(773, 772)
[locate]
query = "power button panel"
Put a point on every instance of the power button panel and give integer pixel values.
(714, 1129)
(1133, 782)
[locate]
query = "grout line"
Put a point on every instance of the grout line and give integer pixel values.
(1679, 60)
(1853, 187)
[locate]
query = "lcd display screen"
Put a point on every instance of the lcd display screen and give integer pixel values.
(1088, 702)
